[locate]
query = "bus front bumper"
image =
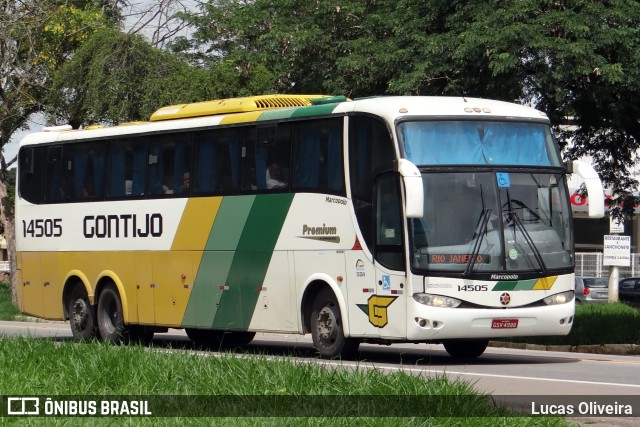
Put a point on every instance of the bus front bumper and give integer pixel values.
(432, 323)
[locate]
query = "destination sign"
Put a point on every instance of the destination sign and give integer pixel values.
(458, 258)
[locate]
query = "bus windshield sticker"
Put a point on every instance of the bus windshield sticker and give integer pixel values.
(503, 179)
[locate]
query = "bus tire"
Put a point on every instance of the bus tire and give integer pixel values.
(464, 349)
(110, 316)
(326, 328)
(82, 315)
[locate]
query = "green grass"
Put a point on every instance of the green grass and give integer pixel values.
(46, 368)
(8, 311)
(596, 324)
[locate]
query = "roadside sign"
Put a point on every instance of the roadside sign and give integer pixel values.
(617, 250)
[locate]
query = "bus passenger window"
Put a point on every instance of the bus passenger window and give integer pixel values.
(126, 168)
(56, 185)
(265, 158)
(87, 171)
(30, 181)
(317, 156)
(169, 160)
(215, 167)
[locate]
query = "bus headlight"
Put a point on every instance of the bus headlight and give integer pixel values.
(561, 298)
(436, 300)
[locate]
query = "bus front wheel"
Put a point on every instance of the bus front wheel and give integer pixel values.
(110, 316)
(326, 328)
(465, 349)
(82, 315)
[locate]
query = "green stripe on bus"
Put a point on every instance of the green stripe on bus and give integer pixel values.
(216, 261)
(208, 289)
(315, 110)
(229, 224)
(281, 113)
(518, 285)
(504, 286)
(251, 261)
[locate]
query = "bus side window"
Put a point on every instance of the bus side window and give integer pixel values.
(169, 164)
(388, 216)
(215, 166)
(371, 151)
(56, 185)
(30, 180)
(317, 153)
(87, 171)
(265, 158)
(126, 168)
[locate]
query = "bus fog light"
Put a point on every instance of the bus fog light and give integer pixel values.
(421, 322)
(561, 298)
(436, 300)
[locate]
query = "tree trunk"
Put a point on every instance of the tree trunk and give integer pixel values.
(7, 220)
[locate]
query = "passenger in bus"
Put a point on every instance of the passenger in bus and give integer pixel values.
(274, 181)
(186, 182)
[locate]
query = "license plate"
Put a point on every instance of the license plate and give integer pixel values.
(504, 323)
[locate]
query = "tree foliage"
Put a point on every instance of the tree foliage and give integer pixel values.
(577, 60)
(116, 77)
(36, 38)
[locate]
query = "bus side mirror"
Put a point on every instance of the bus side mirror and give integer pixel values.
(414, 193)
(594, 187)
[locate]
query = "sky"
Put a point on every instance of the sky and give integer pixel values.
(37, 121)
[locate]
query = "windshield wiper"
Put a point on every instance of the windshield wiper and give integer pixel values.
(513, 216)
(479, 237)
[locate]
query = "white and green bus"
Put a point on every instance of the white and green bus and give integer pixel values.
(388, 219)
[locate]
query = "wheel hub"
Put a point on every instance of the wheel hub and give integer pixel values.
(80, 315)
(327, 324)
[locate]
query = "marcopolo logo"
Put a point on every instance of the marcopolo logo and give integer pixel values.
(504, 277)
(321, 233)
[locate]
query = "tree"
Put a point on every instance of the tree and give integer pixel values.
(577, 60)
(117, 77)
(36, 37)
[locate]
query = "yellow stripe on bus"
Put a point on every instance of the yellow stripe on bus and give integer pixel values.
(241, 118)
(195, 225)
(545, 283)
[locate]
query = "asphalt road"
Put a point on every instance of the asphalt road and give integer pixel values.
(524, 376)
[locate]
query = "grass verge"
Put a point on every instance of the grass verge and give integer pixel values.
(46, 368)
(8, 311)
(596, 324)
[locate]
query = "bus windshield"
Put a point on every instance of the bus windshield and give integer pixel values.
(479, 143)
(486, 221)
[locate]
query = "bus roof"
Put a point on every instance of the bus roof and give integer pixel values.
(274, 107)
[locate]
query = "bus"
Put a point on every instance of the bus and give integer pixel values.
(383, 220)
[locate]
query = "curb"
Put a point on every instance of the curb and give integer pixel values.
(613, 349)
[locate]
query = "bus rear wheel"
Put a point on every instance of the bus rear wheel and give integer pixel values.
(326, 328)
(110, 316)
(466, 349)
(82, 315)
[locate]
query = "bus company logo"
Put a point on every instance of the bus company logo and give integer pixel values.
(376, 309)
(323, 234)
(505, 277)
(505, 298)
